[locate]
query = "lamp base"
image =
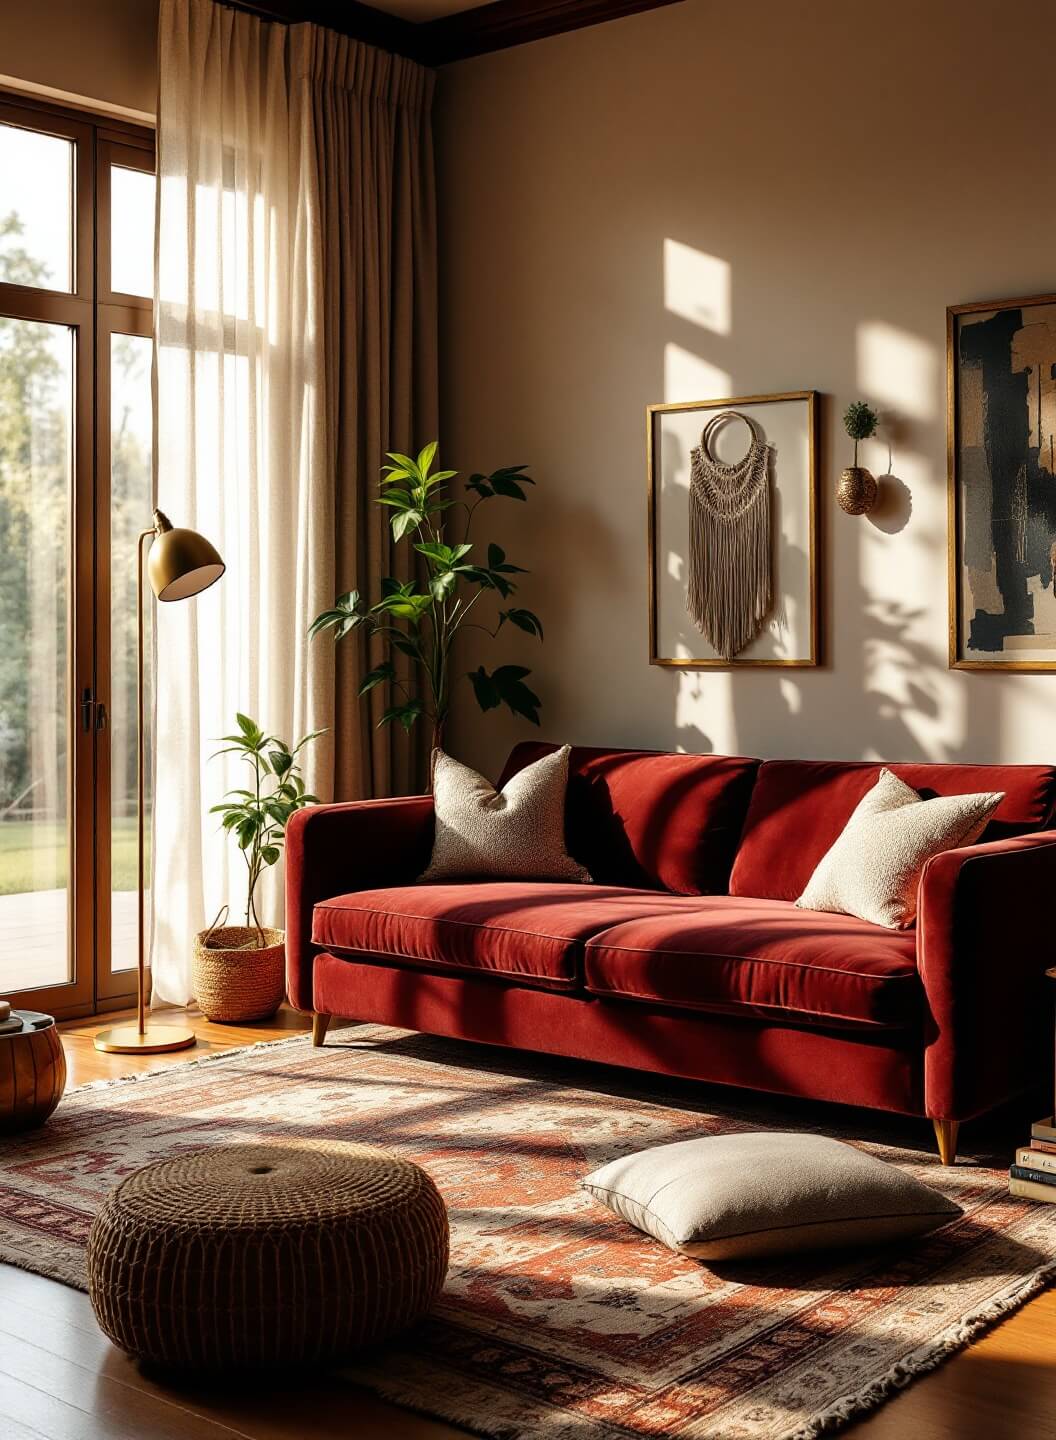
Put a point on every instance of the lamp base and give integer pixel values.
(155, 1039)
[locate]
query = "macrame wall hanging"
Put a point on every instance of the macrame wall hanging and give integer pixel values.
(730, 583)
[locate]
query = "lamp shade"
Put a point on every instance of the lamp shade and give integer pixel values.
(181, 562)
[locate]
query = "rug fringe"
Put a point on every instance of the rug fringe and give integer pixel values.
(925, 1359)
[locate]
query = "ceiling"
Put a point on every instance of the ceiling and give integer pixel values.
(424, 10)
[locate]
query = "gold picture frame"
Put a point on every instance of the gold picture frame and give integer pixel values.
(970, 418)
(811, 639)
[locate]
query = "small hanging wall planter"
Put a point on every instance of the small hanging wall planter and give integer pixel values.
(856, 493)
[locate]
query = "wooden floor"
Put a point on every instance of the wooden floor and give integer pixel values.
(61, 1379)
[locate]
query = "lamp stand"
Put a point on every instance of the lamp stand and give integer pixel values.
(143, 1038)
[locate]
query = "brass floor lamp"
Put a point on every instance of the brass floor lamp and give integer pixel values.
(182, 563)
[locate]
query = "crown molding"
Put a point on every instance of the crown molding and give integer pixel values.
(497, 26)
(504, 23)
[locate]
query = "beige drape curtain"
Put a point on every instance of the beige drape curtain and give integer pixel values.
(370, 138)
(295, 328)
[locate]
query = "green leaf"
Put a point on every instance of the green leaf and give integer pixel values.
(443, 555)
(441, 585)
(405, 644)
(404, 521)
(281, 760)
(270, 854)
(404, 462)
(426, 456)
(377, 677)
(307, 739)
(250, 729)
(345, 616)
(525, 620)
(479, 483)
(406, 714)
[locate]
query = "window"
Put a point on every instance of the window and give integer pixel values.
(76, 277)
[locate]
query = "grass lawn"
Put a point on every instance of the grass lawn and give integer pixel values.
(33, 856)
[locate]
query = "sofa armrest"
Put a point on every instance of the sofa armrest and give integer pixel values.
(334, 849)
(984, 941)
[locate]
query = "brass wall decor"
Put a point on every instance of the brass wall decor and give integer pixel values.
(786, 424)
(1001, 455)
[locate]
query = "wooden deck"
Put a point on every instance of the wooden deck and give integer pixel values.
(33, 930)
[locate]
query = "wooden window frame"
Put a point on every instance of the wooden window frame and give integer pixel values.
(93, 312)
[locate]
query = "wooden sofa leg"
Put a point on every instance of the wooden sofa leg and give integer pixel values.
(946, 1135)
(320, 1025)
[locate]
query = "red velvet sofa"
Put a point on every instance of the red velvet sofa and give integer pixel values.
(687, 955)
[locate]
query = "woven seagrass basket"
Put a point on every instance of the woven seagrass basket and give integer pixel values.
(235, 977)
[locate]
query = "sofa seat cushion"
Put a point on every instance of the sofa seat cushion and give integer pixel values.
(528, 932)
(763, 958)
(799, 809)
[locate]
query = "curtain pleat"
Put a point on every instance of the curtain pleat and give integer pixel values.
(295, 325)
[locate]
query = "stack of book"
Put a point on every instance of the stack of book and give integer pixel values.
(1034, 1174)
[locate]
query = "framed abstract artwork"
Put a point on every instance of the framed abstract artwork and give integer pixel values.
(733, 532)
(1001, 447)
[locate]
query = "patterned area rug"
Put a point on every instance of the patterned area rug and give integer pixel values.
(558, 1320)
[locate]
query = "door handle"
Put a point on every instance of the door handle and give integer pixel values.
(100, 715)
(87, 704)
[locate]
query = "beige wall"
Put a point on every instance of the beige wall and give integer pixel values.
(99, 49)
(818, 181)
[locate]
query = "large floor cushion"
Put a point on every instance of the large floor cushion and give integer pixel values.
(646, 819)
(763, 958)
(531, 933)
(799, 808)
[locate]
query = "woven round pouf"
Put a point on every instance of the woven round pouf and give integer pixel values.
(254, 1255)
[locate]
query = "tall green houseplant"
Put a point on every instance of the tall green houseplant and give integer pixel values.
(422, 619)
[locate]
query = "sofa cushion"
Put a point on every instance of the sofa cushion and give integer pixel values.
(646, 819)
(760, 957)
(800, 807)
(523, 931)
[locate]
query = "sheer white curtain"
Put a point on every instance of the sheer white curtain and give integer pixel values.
(295, 323)
(241, 449)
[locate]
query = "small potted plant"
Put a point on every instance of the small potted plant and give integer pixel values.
(239, 970)
(856, 492)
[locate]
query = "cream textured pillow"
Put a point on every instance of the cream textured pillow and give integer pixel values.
(731, 1197)
(515, 834)
(873, 869)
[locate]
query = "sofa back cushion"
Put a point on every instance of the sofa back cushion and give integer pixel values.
(649, 819)
(799, 808)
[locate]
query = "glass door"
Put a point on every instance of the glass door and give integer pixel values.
(75, 490)
(124, 465)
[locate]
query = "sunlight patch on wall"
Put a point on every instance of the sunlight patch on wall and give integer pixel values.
(688, 377)
(697, 287)
(898, 369)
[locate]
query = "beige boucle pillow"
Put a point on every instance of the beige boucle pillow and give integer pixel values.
(873, 870)
(733, 1197)
(517, 833)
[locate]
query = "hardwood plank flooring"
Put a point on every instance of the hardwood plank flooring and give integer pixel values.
(60, 1379)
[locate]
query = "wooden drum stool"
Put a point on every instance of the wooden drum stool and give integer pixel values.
(266, 1255)
(32, 1069)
